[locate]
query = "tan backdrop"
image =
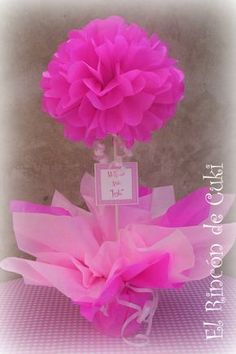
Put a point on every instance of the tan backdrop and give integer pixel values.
(35, 159)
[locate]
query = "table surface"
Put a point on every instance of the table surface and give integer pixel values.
(37, 319)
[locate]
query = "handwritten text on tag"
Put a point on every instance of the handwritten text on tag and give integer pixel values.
(116, 184)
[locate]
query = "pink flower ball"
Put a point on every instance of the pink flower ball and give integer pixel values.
(110, 77)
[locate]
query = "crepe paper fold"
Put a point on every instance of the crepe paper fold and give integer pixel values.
(161, 244)
(111, 77)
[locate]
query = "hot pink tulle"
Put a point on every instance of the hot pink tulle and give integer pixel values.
(110, 77)
(161, 244)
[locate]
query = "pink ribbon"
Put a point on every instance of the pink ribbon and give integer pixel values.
(99, 153)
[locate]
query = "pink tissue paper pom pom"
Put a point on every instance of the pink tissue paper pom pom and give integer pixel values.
(110, 77)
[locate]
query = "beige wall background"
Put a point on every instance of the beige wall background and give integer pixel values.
(35, 159)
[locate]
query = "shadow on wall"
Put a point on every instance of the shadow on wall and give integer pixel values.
(39, 160)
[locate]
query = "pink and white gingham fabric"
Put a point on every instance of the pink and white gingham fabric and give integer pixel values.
(41, 320)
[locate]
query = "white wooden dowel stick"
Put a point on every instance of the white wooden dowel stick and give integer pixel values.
(115, 148)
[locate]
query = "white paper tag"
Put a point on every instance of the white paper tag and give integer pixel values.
(116, 184)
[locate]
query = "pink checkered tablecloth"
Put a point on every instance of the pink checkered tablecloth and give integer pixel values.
(41, 320)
